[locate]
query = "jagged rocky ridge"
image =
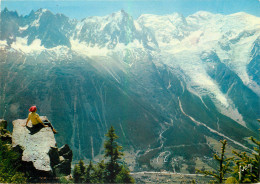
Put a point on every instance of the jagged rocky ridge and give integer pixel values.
(170, 85)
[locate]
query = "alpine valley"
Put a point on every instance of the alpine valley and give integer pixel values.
(172, 86)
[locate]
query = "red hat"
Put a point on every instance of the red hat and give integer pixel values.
(32, 109)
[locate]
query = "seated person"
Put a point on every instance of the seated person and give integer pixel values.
(36, 121)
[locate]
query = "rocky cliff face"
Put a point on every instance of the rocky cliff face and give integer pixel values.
(39, 153)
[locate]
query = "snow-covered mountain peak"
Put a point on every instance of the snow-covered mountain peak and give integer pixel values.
(38, 15)
(245, 19)
(202, 18)
(41, 10)
(166, 28)
(242, 14)
(116, 17)
(119, 15)
(174, 18)
(203, 14)
(120, 19)
(106, 31)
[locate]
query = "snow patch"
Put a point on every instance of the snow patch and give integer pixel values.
(137, 26)
(132, 45)
(60, 52)
(44, 10)
(233, 113)
(238, 57)
(247, 18)
(21, 45)
(36, 23)
(3, 44)
(23, 28)
(84, 49)
(166, 28)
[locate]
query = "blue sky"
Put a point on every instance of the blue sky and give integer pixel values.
(82, 9)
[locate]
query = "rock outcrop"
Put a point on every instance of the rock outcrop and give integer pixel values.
(39, 153)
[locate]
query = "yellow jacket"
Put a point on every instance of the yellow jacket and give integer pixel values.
(35, 118)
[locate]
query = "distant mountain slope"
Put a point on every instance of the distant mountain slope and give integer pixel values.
(171, 86)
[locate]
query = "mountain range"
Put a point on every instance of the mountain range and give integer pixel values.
(172, 86)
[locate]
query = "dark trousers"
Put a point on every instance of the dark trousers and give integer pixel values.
(46, 122)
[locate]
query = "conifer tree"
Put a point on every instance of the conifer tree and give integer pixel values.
(100, 171)
(82, 167)
(247, 167)
(224, 164)
(110, 172)
(79, 172)
(257, 155)
(124, 176)
(76, 174)
(112, 151)
(90, 176)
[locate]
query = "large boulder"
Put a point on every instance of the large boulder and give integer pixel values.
(66, 152)
(65, 155)
(39, 153)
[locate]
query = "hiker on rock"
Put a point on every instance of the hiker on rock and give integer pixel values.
(36, 121)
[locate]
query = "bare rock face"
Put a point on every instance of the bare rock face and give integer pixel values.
(40, 156)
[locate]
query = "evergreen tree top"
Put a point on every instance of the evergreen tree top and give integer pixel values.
(111, 134)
